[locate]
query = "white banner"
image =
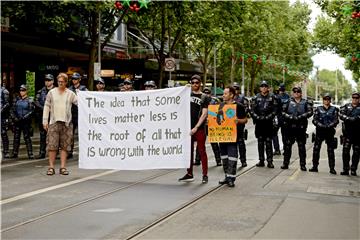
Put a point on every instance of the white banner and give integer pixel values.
(135, 130)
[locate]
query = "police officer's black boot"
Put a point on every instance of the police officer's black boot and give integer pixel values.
(29, 148)
(316, 156)
(331, 156)
(269, 153)
(287, 156)
(5, 142)
(242, 152)
(302, 155)
(346, 159)
(42, 152)
(261, 149)
(355, 159)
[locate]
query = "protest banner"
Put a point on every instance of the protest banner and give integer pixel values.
(135, 130)
(221, 124)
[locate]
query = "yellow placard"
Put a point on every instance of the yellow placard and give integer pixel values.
(222, 124)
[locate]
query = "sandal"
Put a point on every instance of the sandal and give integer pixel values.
(50, 171)
(63, 171)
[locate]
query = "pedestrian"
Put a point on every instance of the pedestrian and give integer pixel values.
(325, 120)
(100, 85)
(214, 145)
(198, 110)
(39, 104)
(75, 87)
(23, 109)
(5, 114)
(350, 114)
(242, 135)
(229, 150)
(295, 113)
(150, 85)
(263, 110)
(57, 121)
(282, 97)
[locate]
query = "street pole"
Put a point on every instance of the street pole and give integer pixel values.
(336, 87)
(215, 69)
(99, 43)
(243, 76)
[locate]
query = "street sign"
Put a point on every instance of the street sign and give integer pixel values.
(170, 64)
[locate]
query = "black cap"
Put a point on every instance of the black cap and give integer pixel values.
(150, 83)
(207, 90)
(76, 76)
(100, 80)
(23, 87)
(297, 88)
(327, 96)
(264, 84)
(49, 77)
(282, 87)
(127, 80)
(195, 76)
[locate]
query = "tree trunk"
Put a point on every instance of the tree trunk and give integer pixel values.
(252, 83)
(93, 48)
(233, 62)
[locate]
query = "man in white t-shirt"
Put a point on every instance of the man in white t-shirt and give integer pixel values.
(60, 128)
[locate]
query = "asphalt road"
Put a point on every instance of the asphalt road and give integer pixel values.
(152, 204)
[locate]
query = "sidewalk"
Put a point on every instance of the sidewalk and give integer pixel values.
(273, 203)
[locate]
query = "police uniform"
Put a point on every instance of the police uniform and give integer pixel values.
(23, 108)
(74, 110)
(278, 121)
(263, 110)
(39, 104)
(5, 110)
(350, 115)
(295, 121)
(241, 99)
(325, 121)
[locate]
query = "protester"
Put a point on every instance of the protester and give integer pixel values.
(229, 150)
(39, 103)
(296, 112)
(23, 109)
(350, 114)
(325, 120)
(57, 121)
(75, 87)
(263, 110)
(199, 110)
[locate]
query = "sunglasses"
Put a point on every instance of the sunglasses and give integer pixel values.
(196, 82)
(127, 83)
(327, 99)
(296, 91)
(22, 90)
(355, 97)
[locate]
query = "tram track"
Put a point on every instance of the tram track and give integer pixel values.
(85, 201)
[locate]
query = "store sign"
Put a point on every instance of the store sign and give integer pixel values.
(170, 64)
(107, 73)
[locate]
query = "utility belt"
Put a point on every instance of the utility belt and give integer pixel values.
(333, 143)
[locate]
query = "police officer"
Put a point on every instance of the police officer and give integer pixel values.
(5, 110)
(75, 87)
(128, 85)
(100, 85)
(150, 85)
(241, 99)
(39, 103)
(325, 120)
(350, 114)
(296, 112)
(23, 108)
(282, 97)
(263, 110)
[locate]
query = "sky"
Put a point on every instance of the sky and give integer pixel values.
(326, 59)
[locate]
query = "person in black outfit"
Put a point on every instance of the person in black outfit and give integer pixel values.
(21, 114)
(325, 120)
(263, 110)
(39, 103)
(296, 112)
(350, 114)
(5, 113)
(75, 87)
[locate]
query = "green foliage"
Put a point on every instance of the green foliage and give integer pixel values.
(339, 32)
